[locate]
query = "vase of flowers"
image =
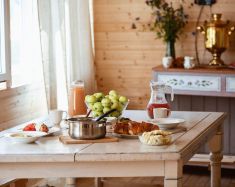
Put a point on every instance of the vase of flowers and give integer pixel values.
(168, 23)
(170, 48)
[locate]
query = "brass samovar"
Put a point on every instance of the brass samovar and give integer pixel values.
(217, 34)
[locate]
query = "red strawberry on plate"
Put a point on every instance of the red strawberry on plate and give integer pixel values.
(44, 128)
(30, 127)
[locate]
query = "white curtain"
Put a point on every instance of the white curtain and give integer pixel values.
(66, 44)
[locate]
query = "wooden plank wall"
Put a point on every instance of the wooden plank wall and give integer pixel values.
(125, 56)
(21, 104)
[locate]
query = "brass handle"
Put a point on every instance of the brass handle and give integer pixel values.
(231, 30)
(201, 29)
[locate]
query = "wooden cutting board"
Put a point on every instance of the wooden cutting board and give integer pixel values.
(68, 140)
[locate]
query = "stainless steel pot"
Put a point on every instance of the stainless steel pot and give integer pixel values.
(86, 128)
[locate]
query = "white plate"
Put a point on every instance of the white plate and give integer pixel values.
(25, 136)
(167, 123)
(126, 136)
(53, 130)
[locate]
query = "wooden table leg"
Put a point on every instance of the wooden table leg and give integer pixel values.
(216, 155)
(98, 182)
(70, 182)
(173, 173)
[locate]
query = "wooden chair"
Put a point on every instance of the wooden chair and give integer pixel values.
(13, 182)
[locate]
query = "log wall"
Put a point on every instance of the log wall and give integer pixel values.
(124, 56)
(21, 104)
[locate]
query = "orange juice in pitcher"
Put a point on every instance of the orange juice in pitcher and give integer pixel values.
(77, 104)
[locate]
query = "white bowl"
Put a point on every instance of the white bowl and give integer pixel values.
(25, 136)
(167, 123)
(110, 115)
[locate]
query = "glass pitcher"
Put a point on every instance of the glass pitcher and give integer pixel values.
(77, 104)
(158, 99)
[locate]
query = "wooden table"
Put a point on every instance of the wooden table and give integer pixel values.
(126, 158)
(204, 89)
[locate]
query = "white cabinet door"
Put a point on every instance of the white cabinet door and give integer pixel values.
(230, 84)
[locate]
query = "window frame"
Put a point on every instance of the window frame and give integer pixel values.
(6, 75)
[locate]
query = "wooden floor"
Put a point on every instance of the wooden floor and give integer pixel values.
(193, 177)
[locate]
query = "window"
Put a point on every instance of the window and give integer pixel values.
(20, 33)
(5, 75)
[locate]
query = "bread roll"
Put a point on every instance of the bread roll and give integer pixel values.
(133, 127)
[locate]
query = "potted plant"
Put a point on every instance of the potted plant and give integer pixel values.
(168, 24)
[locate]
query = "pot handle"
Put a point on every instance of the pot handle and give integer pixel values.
(231, 30)
(69, 119)
(201, 29)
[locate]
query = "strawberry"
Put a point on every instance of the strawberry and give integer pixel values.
(30, 127)
(44, 128)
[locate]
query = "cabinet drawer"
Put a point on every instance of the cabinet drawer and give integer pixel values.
(230, 84)
(192, 82)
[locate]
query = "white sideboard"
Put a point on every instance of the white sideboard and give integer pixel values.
(204, 90)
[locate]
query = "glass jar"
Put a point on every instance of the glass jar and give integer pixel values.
(158, 99)
(77, 104)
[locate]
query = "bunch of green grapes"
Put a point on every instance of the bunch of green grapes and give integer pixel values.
(100, 103)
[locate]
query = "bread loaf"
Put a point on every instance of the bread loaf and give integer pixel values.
(134, 128)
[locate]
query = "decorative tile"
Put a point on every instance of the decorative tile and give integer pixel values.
(192, 82)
